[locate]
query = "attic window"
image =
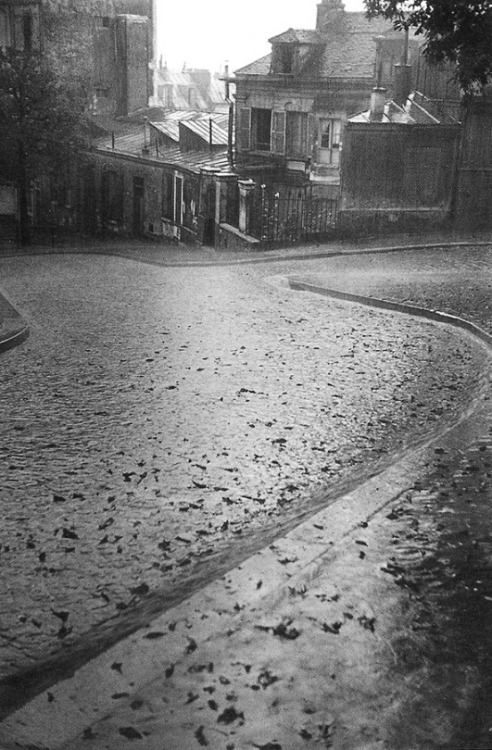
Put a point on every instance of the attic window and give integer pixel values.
(285, 59)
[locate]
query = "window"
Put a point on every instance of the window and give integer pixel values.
(285, 59)
(296, 133)
(330, 140)
(27, 31)
(113, 197)
(168, 196)
(261, 128)
(178, 199)
(331, 131)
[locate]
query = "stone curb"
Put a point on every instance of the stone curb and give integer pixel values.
(15, 332)
(252, 258)
(421, 312)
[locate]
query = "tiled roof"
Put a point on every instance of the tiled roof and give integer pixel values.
(348, 52)
(300, 36)
(259, 67)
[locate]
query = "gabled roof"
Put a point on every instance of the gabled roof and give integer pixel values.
(299, 36)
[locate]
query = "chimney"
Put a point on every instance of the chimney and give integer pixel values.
(403, 83)
(330, 14)
(378, 100)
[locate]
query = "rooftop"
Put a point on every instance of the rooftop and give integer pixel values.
(133, 145)
(346, 51)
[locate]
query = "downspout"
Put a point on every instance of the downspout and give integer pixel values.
(230, 124)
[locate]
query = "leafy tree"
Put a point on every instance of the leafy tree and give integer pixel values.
(40, 122)
(456, 31)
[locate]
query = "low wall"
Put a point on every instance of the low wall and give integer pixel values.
(231, 239)
(375, 222)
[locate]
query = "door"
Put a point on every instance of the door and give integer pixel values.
(138, 206)
(178, 200)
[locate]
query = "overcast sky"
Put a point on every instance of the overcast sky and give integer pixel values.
(207, 33)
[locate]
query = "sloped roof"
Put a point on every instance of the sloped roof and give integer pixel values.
(411, 113)
(169, 128)
(206, 129)
(194, 161)
(198, 123)
(259, 67)
(348, 51)
(299, 36)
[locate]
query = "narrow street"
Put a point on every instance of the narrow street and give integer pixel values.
(162, 425)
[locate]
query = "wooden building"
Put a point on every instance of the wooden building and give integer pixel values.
(398, 169)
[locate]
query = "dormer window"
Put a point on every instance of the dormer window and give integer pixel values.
(286, 59)
(292, 50)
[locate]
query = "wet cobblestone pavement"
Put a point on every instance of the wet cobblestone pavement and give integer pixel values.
(159, 421)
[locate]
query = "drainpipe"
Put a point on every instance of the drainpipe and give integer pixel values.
(230, 124)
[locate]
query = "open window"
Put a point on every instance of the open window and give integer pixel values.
(261, 129)
(330, 140)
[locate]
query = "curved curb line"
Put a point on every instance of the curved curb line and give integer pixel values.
(336, 253)
(313, 549)
(14, 340)
(17, 330)
(422, 312)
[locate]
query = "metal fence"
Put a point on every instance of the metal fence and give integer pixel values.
(292, 216)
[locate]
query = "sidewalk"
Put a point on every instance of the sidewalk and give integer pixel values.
(172, 255)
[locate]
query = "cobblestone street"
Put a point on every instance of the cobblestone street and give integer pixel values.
(166, 431)
(162, 422)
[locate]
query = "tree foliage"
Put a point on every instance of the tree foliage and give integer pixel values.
(455, 31)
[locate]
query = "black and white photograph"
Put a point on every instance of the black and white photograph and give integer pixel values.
(245, 375)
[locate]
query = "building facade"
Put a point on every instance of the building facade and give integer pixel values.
(292, 105)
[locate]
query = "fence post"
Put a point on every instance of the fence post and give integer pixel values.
(246, 188)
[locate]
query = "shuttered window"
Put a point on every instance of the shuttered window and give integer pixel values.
(296, 132)
(278, 132)
(244, 135)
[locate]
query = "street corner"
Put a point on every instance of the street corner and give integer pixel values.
(13, 328)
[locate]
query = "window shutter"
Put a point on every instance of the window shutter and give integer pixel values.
(311, 125)
(245, 129)
(278, 132)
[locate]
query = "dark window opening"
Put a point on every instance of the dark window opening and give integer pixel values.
(27, 31)
(286, 59)
(168, 197)
(262, 128)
